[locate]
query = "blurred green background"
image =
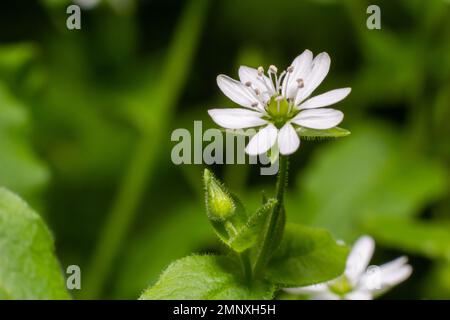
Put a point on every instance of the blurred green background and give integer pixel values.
(86, 117)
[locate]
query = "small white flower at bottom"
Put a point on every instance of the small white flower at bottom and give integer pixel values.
(359, 282)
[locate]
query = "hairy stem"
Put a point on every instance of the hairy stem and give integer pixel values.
(275, 217)
(246, 265)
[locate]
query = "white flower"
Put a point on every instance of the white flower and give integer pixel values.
(360, 282)
(277, 104)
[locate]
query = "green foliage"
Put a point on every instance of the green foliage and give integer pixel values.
(248, 234)
(206, 277)
(28, 266)
(173, 235)
(311, 134)
(371, 173)
(238, 230)
(20, 169)
(431, 239)
(95, 108)
(306, 256)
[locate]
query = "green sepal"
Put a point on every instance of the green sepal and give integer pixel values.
(248, 234)
(307, 133)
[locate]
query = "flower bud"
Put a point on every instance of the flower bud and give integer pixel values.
(219, 204)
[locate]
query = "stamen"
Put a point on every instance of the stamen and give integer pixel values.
(279, 80)
(263, 80)
(273, 69)
(260, 71)
(289, 70)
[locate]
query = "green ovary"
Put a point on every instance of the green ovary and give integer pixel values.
(280, 111)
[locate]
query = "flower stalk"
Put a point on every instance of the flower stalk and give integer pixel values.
(275, 221)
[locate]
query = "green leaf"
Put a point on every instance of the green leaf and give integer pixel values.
(306, 256)
(248, 234)
(20, 170)
(371, 173)
(431, 239)
(28, 266)
(14, 57)
(335, 132)
(205, 278)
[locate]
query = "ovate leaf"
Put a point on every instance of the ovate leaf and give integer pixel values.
(306, 256)
(205, 278)
(28, 266)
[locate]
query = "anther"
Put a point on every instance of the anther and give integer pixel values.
(248, 84)
(273, 69)
(257, 92)
(290, 69)
(260, 71)
(254, 104)
(300, 83)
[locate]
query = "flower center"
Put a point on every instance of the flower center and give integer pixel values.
(279, 111)
(341, 286)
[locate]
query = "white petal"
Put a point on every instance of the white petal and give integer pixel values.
(262, 83)
(262, 141)
(288, 140)
(359, 258)
(359, 295)
(319, 118)
(326, 99)
(394, 272)
(312, 289)
(301, 68)
(379, 279)
(320, 68)
(236, 118)
(238, 93)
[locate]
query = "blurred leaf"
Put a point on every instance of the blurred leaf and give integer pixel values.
(13, 57)
(371, 173)
(28, 266)
(181, 231)
(20, 170)
(437, 282)
(431, 239)
(205, 278)
(306, 256)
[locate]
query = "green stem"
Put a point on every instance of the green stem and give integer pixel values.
(275, 217)
(163, 99)
(246, 266)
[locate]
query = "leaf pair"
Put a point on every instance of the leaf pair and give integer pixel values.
(306, 256)
(296, 256)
